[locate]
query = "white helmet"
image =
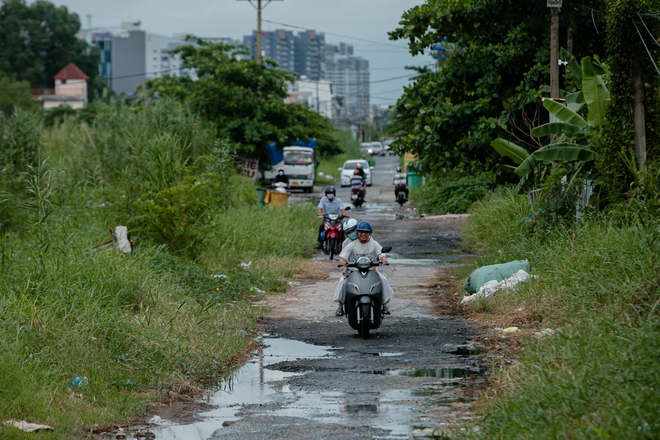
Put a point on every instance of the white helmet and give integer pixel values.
(350, 227)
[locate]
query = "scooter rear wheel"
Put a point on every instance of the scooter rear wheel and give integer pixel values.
(332, 246)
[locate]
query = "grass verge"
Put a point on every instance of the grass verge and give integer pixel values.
(597, 375)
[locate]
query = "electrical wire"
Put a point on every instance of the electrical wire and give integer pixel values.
(647, 49)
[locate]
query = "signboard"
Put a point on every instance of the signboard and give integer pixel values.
(247, 167)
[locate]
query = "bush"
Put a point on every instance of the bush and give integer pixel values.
(444, 195)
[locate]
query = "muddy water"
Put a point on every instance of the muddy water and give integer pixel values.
(253, 384)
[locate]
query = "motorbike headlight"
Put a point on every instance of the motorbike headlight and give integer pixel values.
(373, 286)
(354, 286)
(363, 263)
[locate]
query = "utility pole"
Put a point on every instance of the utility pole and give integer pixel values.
(259, 7)
(554, 6)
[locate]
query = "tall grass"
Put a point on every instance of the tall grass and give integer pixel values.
(173, 316)
(597, 376)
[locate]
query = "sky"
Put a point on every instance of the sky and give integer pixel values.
(362, 23)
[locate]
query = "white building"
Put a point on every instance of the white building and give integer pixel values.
(318, 95)
(70, 89)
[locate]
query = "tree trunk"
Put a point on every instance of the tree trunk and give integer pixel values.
(639, 120)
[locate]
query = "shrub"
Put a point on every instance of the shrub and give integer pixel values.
(445, 195)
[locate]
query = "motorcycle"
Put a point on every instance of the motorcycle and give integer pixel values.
(400, 186)
(364, 295)
(332, 234)
(356, 197)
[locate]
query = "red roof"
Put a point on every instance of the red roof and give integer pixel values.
(71, 71)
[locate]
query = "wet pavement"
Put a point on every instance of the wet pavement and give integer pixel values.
(315, 377)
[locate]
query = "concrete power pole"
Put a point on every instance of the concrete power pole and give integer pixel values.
(259, 7)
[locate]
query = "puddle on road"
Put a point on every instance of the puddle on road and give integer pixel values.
(250, 385)
(254, 384)
(440, 373)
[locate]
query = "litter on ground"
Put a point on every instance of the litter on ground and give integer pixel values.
(493, 286)
(27, 426)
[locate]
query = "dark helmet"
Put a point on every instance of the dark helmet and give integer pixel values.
(364, 226)
(398, 169)
(330, 190)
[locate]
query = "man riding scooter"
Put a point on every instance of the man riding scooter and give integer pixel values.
(359, 187)
(400, 184)
(329, 204)
(364, 245)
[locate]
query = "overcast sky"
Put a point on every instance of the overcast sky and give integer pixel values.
(349, 21)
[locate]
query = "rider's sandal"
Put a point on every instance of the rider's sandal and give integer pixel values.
(386, 310)
(339, 312)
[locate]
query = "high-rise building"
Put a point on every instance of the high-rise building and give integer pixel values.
(278, 45)
(349, 76)
(310, 54)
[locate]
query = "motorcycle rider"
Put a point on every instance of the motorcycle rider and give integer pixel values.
(364, 245)
(329, 204)
(400, 179)
(350, 231)
(281, 177)
(358, 183)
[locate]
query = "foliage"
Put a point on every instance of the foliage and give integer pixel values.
(598, 288)
(449, 195)
(38, 39)
(570, 147)
(632, 27)
(14, 94)
(252, 112)
(144, 327)
(498, 70)
(19, 141)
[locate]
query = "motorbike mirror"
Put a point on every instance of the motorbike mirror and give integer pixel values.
(386, 249)
(338, 169)
(347, 208)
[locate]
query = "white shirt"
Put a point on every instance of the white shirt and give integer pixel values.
(371, 249)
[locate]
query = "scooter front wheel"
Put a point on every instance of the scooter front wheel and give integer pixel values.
(332, 246)
(365, 324)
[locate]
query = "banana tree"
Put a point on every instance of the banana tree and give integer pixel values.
(572, 130)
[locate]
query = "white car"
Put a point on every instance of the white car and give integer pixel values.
(349, 167)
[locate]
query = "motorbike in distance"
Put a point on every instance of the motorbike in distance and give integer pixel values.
(364, 295)
(332, 234)
(356, 197)
(400, 187)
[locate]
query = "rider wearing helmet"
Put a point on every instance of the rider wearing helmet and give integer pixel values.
(364, 245)
(329, 204)
(281, 177)
(358, 183)
(350, 231)
(400, 181)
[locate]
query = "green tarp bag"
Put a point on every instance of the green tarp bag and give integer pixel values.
(497, 272)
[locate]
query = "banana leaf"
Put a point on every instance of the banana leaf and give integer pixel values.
(556, 128)
(509, 149)
(527, 166)
(566, 152)
(595, 93)
(565, 114)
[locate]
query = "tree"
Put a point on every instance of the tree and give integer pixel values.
(38, 40)
(244, 99)
(633, 130)
(496, 71)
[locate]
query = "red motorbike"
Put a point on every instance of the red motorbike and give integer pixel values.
(332, 234)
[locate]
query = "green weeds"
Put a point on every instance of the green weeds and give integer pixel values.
(176, 314)
(598, 287)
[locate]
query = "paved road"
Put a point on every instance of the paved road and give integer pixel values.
(315, 378)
